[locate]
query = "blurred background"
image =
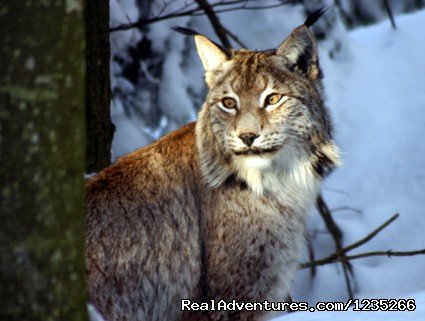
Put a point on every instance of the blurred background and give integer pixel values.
(373, 58)
(81, 78)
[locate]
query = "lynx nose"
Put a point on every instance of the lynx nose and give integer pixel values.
(248, 138)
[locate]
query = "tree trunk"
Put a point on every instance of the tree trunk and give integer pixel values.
(100, 129)
(42, 138)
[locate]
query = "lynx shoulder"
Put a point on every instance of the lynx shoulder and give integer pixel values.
(217, 209)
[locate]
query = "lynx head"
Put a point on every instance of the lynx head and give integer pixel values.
(264, 112)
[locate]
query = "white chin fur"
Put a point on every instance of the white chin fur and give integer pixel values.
(253, 161)
(289, 176)
(250, 168)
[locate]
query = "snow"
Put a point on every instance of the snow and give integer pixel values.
(94, 315)
(376, 93)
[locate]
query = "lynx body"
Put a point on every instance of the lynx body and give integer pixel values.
(217, 209)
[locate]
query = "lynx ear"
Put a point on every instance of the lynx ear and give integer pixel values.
(300, 51)
(212, 55)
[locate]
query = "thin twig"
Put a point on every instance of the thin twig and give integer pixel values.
(344, 15)
(219, 30)
(337, 236)
(388, 253)
(347, 270)
(329, 222)
(234, 37)
(165, 5)
(197, 11)
(311, 258)
(346, 208)
(334, 257)
(390, 13)
(372, 234)
(335, 190)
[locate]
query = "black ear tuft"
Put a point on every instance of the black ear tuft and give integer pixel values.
(312, 18)
(185, 31)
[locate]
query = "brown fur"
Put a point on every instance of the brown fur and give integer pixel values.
(131, 229)
(141, 236)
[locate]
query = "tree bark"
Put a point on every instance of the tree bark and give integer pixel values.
(42, 140)
(100, 129)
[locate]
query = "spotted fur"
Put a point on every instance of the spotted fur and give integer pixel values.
(217, 209)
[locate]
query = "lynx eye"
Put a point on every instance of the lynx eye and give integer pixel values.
(229, 103)
(273, 99)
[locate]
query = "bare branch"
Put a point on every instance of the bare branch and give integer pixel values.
(337, 236)
(346, 208)
(372, 234)
(144, 22)
(244, 7)
(388, 253)
(337, 256)
(344, 15)
(347, 270)
(215, 23)
(311, 257)
(165, 5)
(335, 190)
(234, 37)
(390, 13)
(220, 7)
(329, 222)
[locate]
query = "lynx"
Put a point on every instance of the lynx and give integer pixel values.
(217, 209)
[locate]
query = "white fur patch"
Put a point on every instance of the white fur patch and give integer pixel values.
(250, 168)
(252, 176)
(254, 161)
(289, 176)
(226, 110)
(269, 90)
(297, 184)
(331, 151)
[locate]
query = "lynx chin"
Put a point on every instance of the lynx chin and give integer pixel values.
(217, 209)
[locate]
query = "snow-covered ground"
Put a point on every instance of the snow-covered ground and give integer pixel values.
(376, 92)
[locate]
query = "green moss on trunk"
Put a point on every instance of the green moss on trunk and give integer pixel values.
(42, 161)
